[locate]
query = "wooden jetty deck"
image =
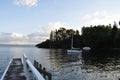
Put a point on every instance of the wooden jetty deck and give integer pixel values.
(23, 69)
(15, 71)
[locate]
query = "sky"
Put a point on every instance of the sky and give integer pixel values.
(30, 21)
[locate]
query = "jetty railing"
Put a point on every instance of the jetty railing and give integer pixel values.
(46, 75)
(35, 72)
(3, 76)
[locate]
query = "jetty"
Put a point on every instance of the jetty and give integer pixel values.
(23, 69)
(15, 71)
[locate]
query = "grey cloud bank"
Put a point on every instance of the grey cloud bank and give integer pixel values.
(15, 38)
(33, 38)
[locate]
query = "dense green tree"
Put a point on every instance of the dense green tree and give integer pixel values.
(114, 32)
(117, 39)
(97, 37)
(45, 44)
(61, 38)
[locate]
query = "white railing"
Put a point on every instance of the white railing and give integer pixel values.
(34, 71)
(2, 78)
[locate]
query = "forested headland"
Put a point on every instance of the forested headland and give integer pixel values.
(96, 37)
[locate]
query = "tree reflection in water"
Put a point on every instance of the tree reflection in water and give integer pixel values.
(101, 62)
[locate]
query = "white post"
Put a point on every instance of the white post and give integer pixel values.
(34, 71)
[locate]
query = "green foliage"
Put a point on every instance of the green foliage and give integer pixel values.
(44, 44)
(61, 38)
(114, 34)
(96, 37)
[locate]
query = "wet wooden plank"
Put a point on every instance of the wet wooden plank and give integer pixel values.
(15, 71)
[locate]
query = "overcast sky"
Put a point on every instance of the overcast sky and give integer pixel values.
(30, 21)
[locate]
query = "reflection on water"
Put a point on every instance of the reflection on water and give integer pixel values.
(59, 58)
(64, 66)
(106, 67)
(103, 63)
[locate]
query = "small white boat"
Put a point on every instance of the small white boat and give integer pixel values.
(73, 50)
(86, 48)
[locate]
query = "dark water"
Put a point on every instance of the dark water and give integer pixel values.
(64, 66)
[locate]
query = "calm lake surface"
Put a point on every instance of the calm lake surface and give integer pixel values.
(64, 66)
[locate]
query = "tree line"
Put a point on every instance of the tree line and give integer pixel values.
(61, 38)
(96, 37)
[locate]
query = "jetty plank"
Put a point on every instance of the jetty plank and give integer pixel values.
(15, 71)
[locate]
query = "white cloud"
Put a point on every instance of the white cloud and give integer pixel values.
(44, 31)
(100, 17)
(12, 38)
(87, 17)
(56, 25)
(33, 38)
(26, 2)
(37, 37)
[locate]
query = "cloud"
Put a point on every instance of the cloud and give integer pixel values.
(45, 30)
(12, 38)
(33, 38)
(26, 2)
(43, 33)
(57, 25)
(100, 17)
(37, 37)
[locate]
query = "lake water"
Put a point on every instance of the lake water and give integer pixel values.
(64, 66)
